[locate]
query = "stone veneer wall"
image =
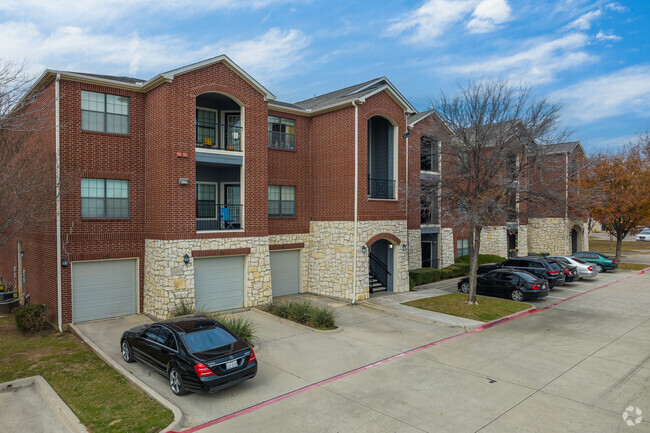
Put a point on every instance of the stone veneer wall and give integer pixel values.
(446, 247)
(332, 255)
(522, 240)
(168, 281)
(549, 235)
(494, 240)
(415, 249)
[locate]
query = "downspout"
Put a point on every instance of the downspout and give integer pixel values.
(356, 200)
(566, 198)
(58, 203)
(408, 196)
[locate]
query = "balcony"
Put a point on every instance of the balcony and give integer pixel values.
(217, 216)
(381, 188)
(218, 136)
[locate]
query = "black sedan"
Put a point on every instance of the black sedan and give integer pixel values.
(196, 353)
(570, 271)
(516, 285)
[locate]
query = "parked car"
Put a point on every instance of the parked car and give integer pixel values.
(643, 236)
(602, 262)
(570, 271)
(196, 353)
(516, 285)
(537, 266)
(585, 270)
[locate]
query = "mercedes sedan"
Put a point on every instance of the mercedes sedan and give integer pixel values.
(196, 353)
(513, 284)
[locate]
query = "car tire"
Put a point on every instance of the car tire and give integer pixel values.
(127, 352)
(176, 382)
(517, 295)
(464, 288)
(600, 268)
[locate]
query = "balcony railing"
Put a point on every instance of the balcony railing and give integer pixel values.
(282, 140)
(216, 216)
(218, 136)
(381, 188)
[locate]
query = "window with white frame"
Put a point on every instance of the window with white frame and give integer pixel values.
(462, 247)
(104, 198)
(282, 133)
(282, 201)
(102, 112)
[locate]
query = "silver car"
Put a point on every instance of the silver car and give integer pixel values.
(585, 270)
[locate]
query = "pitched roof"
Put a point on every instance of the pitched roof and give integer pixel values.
(109, 77)
(567, 147)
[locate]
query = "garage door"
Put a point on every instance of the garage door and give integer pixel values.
(285, 272)
(104, 289)
(219, 283)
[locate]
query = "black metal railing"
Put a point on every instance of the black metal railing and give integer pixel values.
(218, 136)
(379, 271)
(282, 140)
(216, 216)
(381, 188)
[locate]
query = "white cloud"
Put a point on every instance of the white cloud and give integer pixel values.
(79, 49)
(616, 7)
(583, 22)
(539, 62)
(622, 92)
(602, 36)
(487, 16)
(434, 17)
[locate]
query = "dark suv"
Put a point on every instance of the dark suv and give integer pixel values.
(535, 265)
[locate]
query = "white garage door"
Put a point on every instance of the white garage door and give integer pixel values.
(102, 289)
(285, 272)
(219, 283)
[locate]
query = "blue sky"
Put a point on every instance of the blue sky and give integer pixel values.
(592, 56)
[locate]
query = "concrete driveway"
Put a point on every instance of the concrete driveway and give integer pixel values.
(290, 356)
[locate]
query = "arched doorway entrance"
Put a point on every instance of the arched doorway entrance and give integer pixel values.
(381, 266)
(574, 240)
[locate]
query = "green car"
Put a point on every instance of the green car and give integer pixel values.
(602, 262)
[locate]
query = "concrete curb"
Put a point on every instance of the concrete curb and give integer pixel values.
(48, 393)
(466, 328)
(295, 324)
(178, 415)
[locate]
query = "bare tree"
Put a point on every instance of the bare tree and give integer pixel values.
(27, 165)
(497, 163)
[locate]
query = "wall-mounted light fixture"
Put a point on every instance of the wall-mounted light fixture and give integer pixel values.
(65, 262)
(186, 259)
(183, 181)
(22, 254)
(390, 245)
(364, 249)
(406, 134)
(403, 247)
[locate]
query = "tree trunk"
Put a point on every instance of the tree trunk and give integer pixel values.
(619, 245)
(474, 247)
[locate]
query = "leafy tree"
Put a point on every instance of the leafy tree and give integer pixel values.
(619, 186)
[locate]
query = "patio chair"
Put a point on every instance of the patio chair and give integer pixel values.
(226, 220)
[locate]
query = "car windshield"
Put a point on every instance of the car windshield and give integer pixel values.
(645, 232)
(562, 260)
(554, 266)
(603, 255)
(202, 341)
(526, 276)
(577, 260)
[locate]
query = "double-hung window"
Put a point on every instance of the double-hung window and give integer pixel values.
(282, 133)
(282, 201)
(429, 154)
(104, 198)
(104, 113)
(462, 247)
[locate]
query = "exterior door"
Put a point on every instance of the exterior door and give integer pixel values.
(574, 241)
(219, 283)
(233, 132)
(206, 207)
(233, 203)
(285, 272)
(426, 255)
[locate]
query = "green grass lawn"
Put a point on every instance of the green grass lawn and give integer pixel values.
(102, 399)
(454, 304)
(603, 246)
(632, 266)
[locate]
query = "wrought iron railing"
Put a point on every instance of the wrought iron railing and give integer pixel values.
(379, 271)
(381, 188)
(218, 136)
(216, 216)
(282, 140)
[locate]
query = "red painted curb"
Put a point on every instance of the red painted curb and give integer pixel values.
(480, 328)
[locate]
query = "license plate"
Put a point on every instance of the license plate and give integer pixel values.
(231, 364)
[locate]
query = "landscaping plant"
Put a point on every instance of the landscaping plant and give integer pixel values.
(32, 318)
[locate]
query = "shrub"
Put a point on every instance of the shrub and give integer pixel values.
(242, 327)
(304, 312)
(323, 318)
(429, 275)
(32, 318)
(482, 259)
(182, 308)
(300, 311)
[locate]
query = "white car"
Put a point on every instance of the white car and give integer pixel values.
(643, 236)
(585, 270)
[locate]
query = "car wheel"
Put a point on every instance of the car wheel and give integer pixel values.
(176, 382)
(464, 287)
(600, 268)
(517, 295)
(127, 353)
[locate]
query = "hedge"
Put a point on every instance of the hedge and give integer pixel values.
(460, 268)
(482, 259)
